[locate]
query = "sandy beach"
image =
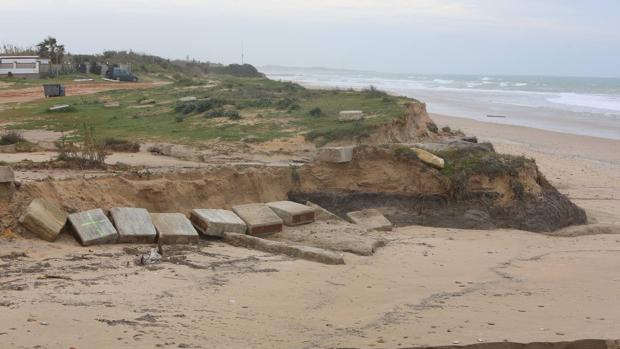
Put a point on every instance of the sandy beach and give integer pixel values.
(428, 286)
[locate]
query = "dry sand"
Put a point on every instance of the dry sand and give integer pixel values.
(428, 286)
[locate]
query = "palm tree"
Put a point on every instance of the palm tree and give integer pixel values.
(49, 48)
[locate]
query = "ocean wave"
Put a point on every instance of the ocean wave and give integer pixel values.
(442, 81)
(604, 102)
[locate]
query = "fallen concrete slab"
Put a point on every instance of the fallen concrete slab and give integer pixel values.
(44, 219)
(93, 227)
(134, 225)
(322, 214)
(370, 219)
(59, 107)
(259, 218)
(292, 213)
(215, 222)
(174, 228)
(187, 99)
(335, 235)
(303, 252)
(336, 155)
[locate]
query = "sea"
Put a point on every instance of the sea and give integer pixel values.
(575, 105)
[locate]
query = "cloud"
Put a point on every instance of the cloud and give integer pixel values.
(265, 8)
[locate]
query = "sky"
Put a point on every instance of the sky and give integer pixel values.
(517, 37)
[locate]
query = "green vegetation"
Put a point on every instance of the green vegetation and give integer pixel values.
(227, 108)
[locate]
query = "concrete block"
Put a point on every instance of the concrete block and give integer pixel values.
(44, 219)
(304, 252)
(133, 225)
(6, 174)
(213, 222)
(93, 227)
(292, 213)
(174, 228)
(187, 99)
(259, 218)
(349, 115)
(370, 219)
(335, 154)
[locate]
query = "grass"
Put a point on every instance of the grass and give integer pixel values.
(227, 108)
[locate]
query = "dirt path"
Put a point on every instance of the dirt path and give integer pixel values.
(72, 89)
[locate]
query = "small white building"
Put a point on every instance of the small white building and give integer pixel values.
(24, 66)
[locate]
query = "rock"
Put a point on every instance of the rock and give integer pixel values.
(153, 257)
(174, 228)
(371, 219)
(308, 253)
(292, 213)
(350, 115)
(455, 145)
(428, 158)
(187, 99)
(335, 154)
(134, 225)
(214, 222)
(259, 218)
(472, 139)
(93, 227)
(59, 107)
(322, 214)
(44, 219)
(147, 101)
(112, 105)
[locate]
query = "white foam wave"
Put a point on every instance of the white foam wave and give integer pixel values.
(604, 102)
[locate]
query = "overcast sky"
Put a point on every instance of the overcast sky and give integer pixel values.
(534, 37)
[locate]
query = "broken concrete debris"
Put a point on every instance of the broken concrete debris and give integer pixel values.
(259, 218)
(92, 227)
(292, 213)
(134, 225)
(304, 252)
(336, 155)
(152, 257)
(59, 107)
(215, 222)
(44, 219)
(351, 115)
(174, 228)
(370, 219)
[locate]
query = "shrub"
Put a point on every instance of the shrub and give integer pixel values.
(432, 127)
(11, 137)
(373, 92)
(232, 115)
(91, 153)
(446, 129)
(121, 145)
(216, 113)
(285, 103)
(316, 112)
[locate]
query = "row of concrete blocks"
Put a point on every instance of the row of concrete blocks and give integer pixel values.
(137, 225)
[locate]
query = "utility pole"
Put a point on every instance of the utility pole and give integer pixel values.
(242, 53)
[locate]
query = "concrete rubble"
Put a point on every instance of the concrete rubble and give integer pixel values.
(259, 218)
(134, 225)
(351, 115)
(44, 219)
(336, 155)
(370, 219)
(215, 222)
(303, 252)
(174, 228)
(93, 227)
(292, 213)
